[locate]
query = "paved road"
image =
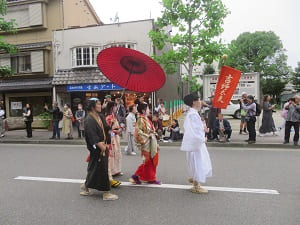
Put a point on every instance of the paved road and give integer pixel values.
(50, 203)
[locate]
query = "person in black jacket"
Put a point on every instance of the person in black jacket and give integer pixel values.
(222, 127)
(57, 116)
(28, 118)
(211, 117)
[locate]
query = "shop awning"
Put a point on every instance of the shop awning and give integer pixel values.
(25, 84)
(87, 76)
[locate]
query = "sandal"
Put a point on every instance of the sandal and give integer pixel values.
(135, 179)
(115, 183)
(158, 182)
(118, 174)
(190, 180)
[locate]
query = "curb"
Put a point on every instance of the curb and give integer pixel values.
(165, 144)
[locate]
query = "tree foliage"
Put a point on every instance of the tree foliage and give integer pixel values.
(208, 69)
(296, 78)
(198, 23)
(7, 27)
(261, 52)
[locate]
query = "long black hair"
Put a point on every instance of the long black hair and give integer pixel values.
(176, 121)
(109, 107)
(142, 106)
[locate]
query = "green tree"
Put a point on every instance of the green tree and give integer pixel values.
(296, 78)
(7, 27)
(261, 52)
(208, 69)
(194, 85)
(198, 24)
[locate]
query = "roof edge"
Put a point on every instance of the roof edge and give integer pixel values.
(93, 12)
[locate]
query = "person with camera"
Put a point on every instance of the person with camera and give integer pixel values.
(292, 120)
(222, 129)
(268, 124)
(250, 118)
(243, 124)
(57, 116)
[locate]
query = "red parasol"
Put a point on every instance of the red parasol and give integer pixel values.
(131, 69)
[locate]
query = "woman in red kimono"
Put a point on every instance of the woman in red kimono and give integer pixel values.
(146, 140)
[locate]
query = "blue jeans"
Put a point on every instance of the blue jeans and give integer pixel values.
(56, 130)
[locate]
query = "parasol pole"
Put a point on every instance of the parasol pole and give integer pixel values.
(126, 84)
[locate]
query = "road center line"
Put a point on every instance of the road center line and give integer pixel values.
(171, 186)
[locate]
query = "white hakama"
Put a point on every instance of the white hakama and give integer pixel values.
(199, 165)
(198, 160)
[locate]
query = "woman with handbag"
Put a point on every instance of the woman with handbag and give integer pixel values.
(67, 128)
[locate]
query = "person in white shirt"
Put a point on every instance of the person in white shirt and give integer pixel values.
(198, 160)
(2, 114)
(130, 127)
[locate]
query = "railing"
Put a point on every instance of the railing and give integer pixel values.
(175, 110)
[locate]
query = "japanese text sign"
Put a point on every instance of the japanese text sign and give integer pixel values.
(226, 85)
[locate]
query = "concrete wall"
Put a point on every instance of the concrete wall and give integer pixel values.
(78, 13)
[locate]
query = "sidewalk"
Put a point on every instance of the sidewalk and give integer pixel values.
(237, 140)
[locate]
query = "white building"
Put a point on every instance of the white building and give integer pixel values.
(77, 76)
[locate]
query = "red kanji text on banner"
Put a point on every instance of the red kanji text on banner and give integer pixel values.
(226, 85)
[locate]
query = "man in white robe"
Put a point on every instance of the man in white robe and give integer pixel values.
(198, 160)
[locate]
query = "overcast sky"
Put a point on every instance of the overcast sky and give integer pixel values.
(280, 16)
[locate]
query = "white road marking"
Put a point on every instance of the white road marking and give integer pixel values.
(171, 186)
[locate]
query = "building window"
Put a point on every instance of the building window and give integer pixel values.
(85, 56)
(123, 44)
(21, 64)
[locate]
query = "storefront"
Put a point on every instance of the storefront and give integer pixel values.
(82, 92)
(16, 93)
(77, 86)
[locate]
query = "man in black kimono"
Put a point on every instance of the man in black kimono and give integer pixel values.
(97, 138)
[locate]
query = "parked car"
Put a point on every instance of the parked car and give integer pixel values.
(232, 109)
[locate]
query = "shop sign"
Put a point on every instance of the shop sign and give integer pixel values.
(93, 87)
(16, 105)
